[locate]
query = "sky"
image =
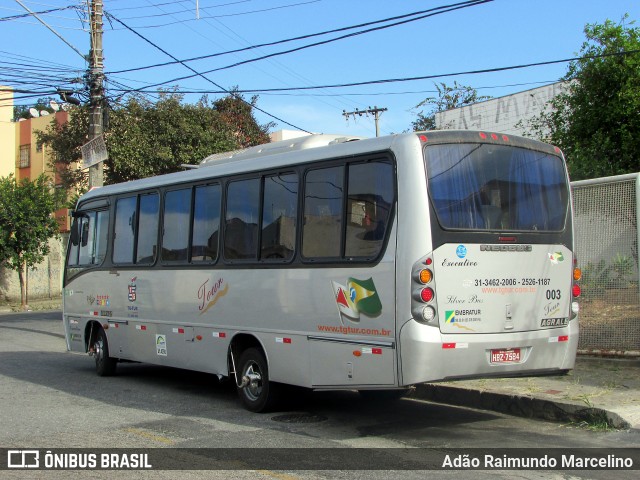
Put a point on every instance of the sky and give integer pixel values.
(142, 33)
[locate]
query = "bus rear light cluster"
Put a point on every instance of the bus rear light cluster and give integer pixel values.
(575, 289)
(577, 275)
(423, 291)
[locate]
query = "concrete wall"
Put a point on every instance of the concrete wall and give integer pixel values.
(44, 280)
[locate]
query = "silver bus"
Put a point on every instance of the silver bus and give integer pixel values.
(329, 262)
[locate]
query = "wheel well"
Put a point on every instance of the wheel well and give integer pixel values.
(239, 344)
(91, 333)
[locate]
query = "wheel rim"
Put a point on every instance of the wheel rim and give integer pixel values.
(98, 348)
(254, 389)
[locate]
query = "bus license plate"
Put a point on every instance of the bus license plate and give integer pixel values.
(505, 356)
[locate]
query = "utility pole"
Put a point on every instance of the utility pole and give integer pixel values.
(375, 111)
(95, 75)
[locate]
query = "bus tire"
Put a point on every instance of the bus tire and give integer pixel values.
(105, 364)
(257, 394)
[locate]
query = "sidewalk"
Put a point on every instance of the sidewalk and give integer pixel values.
(599, 392)
(37, 304)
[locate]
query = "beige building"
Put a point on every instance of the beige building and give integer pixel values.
(20, 153)
(21, 156)
(7, 132)
(31, 159)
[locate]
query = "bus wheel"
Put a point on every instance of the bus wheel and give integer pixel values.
(256, 392)
(105, 365)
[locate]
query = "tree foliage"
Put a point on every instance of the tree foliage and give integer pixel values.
(449, 97)
(26, 224)
(595, 121)
(146, 138)
(22, 111)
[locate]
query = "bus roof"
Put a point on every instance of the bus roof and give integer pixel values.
(291, 145)
(310, 148)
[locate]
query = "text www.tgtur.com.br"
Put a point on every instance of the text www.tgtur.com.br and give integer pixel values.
(354, 330)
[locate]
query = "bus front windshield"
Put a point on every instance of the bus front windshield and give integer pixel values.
(496, 187)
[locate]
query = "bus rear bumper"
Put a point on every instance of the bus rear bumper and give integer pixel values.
(436, 356)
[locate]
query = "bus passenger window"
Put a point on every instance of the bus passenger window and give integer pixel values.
(148, 229)
(279, 210)
(369, 201)
(124, 232)
(206, 223)
(175, 226)
(241, 220)
(101, 237)
(321, 234)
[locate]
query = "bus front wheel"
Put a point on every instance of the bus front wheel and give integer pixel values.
(105, 365)
(256, 392)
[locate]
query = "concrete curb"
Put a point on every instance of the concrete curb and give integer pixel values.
(518, 405)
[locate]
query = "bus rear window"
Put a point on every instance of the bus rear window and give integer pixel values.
(496, 187)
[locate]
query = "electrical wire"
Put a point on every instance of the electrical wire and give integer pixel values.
(304, 37)
(235, 95)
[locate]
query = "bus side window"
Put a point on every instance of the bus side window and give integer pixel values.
(241, 220)
(87, 229)
(279, 211)
(321, 234)
(369, 201)
(124, 232)
(175, 225)
(89, 240)
(206, 223)
(147, 247)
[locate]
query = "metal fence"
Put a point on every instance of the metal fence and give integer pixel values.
(607, 232)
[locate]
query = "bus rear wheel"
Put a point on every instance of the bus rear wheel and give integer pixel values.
(105, 365)
(256, 392)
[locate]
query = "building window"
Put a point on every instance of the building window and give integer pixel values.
(25, 154)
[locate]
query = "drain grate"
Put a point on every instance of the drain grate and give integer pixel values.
(299, 418)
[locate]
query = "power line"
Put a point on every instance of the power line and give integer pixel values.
(311, 35)
(468, 4)
(440, 75)
(213, 16)
(108, 15)
(51, 29)
(42, 12)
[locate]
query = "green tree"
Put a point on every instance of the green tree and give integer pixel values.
(146, 138)
(595, 121)
(449, 97)
(26, 224)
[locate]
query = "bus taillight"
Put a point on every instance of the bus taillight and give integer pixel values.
(576, 290)
(577, 274)
(428, 313)
(425, 275)
(426, 295)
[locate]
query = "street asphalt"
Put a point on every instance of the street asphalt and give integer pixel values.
(600, 392)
